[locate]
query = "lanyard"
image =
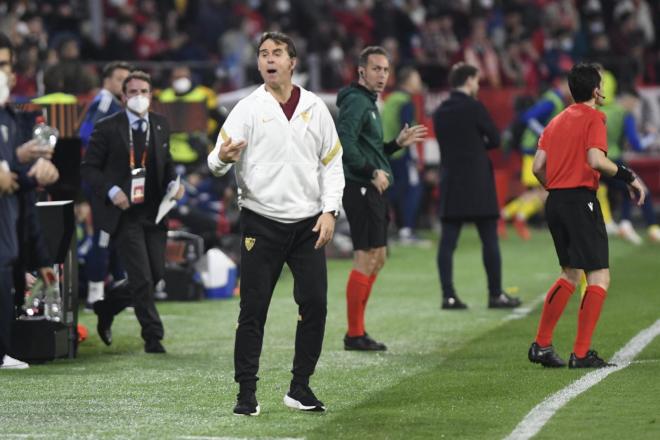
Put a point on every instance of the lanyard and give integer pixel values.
(146, 146)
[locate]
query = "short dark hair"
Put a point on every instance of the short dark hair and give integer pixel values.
(5, 43)
(136, 74)
(371, 50)
(404, 74)
(459, 74)
(582, 80)
(279, 37)
(110, 68)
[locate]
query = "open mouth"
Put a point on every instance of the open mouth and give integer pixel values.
(271, 71)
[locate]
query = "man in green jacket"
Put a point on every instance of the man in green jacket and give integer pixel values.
(368, 175)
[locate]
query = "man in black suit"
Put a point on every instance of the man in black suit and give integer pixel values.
(467, 187)
(129, 167)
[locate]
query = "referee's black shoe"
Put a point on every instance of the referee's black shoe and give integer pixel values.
(363, 343)
(302, 397)
(591, 360)
(453, 303)
(503, 301)
(246, 404)
(546, 356)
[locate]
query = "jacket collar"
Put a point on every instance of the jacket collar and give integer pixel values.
(373, 96)
(306, 99)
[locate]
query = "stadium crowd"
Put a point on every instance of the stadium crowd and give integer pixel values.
(508, 40)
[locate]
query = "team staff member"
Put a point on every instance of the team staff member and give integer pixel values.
(465, 131)
(22, 168)
(368, 175)
(290, 179)
(129, 167)
(570, 159)
(106, 103)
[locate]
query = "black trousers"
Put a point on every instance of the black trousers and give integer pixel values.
(266, 245)
(141, 247)
(490, 252)
(7, 311)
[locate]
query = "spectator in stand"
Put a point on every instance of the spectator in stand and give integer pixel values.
(479, 52)
(68, 75)
(519, 65)
(121, 41)
(437, 42)
(628, 43)
(27, 71)
(149, 43)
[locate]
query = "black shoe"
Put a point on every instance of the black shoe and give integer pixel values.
(453, 303)
(591, 360)
(546, 356)
(363, 343)
(302, 397)
(503, 301)
(246, 404)
(104, 324)
(154, 346)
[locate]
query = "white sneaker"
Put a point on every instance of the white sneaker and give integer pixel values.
(627, 232)
(9, 363)
(612, 229)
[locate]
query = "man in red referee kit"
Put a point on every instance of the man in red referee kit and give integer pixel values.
(569, 161)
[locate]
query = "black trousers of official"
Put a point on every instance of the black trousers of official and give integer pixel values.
(141, 247)
(266, 245)
(7, 311)
(490, 251)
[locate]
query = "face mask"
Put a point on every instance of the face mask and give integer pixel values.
(139, 104)
(4, 88)
(181, 85)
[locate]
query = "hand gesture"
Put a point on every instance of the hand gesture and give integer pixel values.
(325, 226)
(47, 275)
(380, 180)
(8, 182)
(44, 172)
(33, 150)
(121, 201)
(230, 151)
(637, 190)
(411, 135)
(179, 194)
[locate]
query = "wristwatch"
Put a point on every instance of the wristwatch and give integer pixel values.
(335, 214)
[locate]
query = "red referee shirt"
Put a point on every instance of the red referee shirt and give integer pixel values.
(566, 140)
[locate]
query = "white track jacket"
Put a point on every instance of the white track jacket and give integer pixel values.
(289, 170)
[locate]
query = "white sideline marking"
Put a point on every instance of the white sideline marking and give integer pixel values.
(12, 436)
(194, 437)
(521, 312)
(541, 413)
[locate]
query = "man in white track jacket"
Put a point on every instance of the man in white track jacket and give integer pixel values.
(287, 154)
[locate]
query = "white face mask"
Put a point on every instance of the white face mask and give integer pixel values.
(138, 103)
(181, 85)
(4, 88)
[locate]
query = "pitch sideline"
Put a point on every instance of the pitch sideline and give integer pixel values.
(541, 413)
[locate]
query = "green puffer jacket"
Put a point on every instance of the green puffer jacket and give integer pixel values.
(360, 130)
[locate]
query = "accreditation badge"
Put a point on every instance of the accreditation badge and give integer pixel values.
(138, 183)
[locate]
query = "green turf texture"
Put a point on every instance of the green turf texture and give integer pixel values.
(447, 374)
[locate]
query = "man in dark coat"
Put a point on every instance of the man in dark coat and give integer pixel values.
(129, 168)
(467, 188)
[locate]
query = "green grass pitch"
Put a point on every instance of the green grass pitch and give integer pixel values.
(458, 374)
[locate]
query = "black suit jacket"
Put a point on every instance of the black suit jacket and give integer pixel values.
(106, 164)
(465, 131)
